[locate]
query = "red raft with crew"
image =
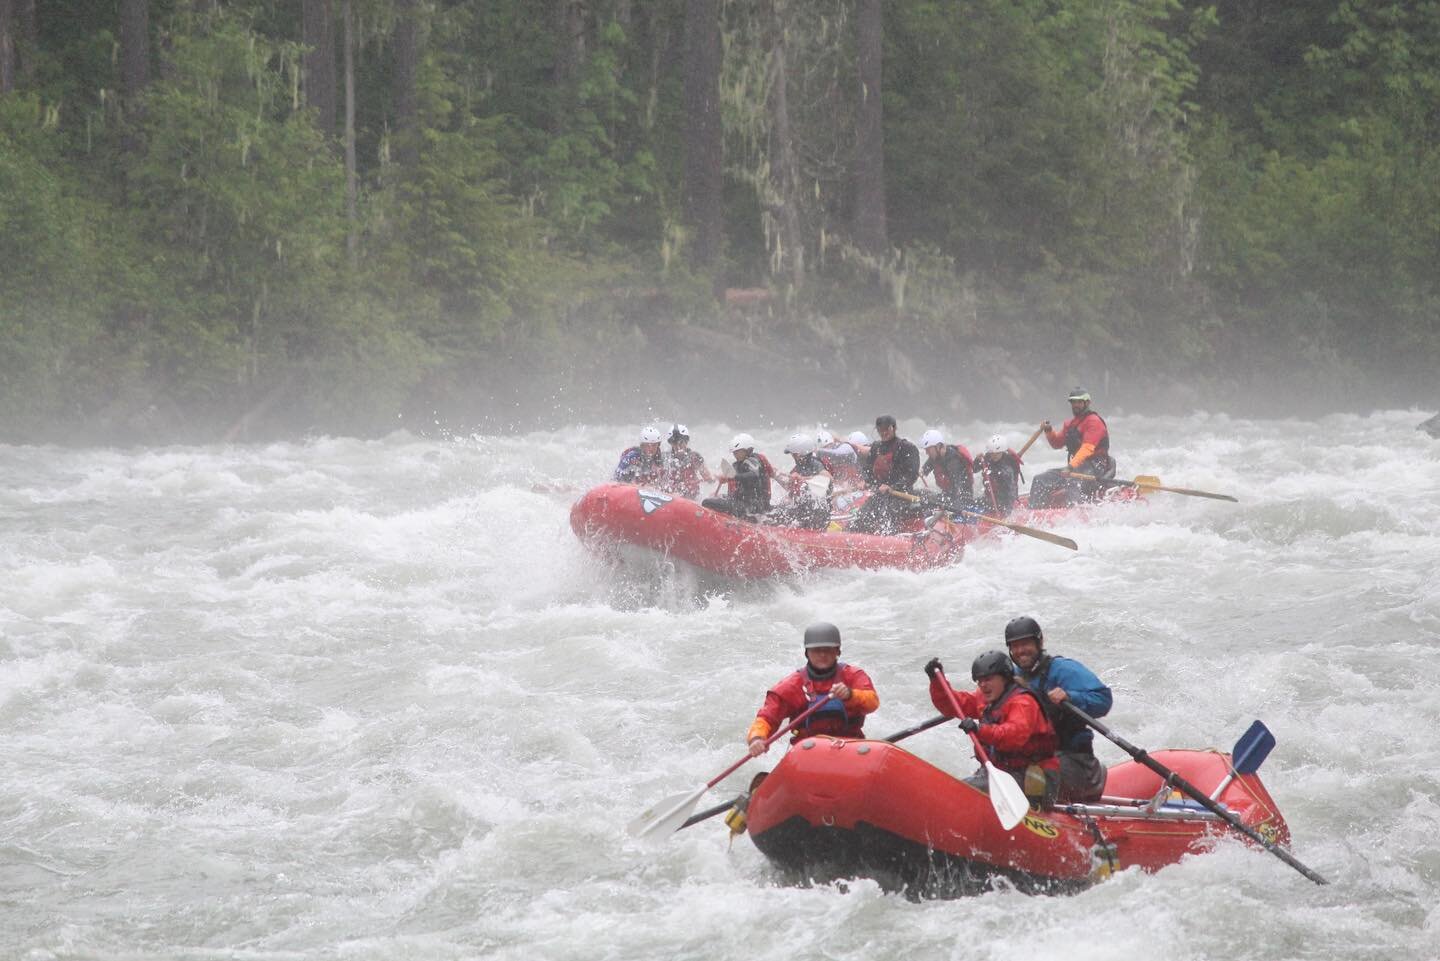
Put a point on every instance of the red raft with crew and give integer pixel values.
(835, 809)
(713, 540)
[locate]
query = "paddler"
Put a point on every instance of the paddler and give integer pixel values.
(893, 463)
(1086, 440)
(642, 464)
(1000, 476)
(1056, 680)
(807, 484)
(684, 467)
(1009, 722)
(748, 485)
(823, 673)
(953, 469)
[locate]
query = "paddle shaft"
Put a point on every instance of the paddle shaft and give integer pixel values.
(772, 739)
(1195, 793)
(1188, 492)
(1033, 438)
(708, 813)
(1001, 522)
(980, 754)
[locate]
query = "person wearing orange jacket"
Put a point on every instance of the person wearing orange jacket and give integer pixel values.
(1010, 723)
(823, 673)
(1086, 440)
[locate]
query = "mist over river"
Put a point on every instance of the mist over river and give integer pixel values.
(372, 700)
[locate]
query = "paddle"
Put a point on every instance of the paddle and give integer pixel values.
(1248, 754)
(1033, 437)
(1017, 528)
(708, 813)
(670, 814)
(1006, 798)
(1195, 793)
(1146, 482)
(727, 471)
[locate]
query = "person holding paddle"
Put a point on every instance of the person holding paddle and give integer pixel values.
(953, 469)
(748, 481)
(1086, 440)
(1007, 719)
(846, 691)
(1000, 476)
(893, 463)
(684, 468)
(1055, 680)
(642, 464)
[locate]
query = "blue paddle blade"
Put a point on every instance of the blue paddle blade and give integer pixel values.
(1252, 749)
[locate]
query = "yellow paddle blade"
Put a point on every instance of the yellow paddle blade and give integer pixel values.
(1147, 480)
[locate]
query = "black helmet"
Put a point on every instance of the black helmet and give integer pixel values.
(1023, 627)
(822, 634)
(991, 662)
(885, 420)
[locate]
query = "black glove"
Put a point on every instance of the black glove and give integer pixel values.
(969, 725)
(933, 667)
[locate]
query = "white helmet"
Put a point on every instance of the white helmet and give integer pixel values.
(800, 443)
(678, 431)
(742, 441)
(823, 438)
(995, 445)
(650, 435)
(858, 437)
(931, 437)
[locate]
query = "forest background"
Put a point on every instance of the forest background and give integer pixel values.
(250, 218)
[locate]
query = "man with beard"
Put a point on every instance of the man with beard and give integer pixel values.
(1086, 440)
(1055, 680)
(893, 463)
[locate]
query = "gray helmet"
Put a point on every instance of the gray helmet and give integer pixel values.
(1079, 393)
(822, 634)
(1021, 628)
(991, 662)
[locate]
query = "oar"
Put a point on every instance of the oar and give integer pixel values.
(670, 814)
(1248, 754)
(1195, 793)
(709, 813)
(1033, 437)
(1022, 529)
(1006, 798)
(1146, 482)
(1017, 528)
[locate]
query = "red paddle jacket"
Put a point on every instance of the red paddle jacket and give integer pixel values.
(1013, 730)
(798, 690)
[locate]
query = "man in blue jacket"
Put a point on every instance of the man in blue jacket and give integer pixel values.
(1056, 680)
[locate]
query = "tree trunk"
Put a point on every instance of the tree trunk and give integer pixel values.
(569, 39)
(789, 252)
(704, 176)
(869, 228)
(318, 66)
(407, 70)
(134, 49)
(352, 190)
(7, 46)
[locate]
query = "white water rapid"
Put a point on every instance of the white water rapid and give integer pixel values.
(372, 700)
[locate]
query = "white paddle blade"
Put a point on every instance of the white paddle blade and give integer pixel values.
(667, 816)
(819, 486)
(1006, 798)
(727, 468)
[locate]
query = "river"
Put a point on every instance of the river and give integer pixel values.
(371, 700)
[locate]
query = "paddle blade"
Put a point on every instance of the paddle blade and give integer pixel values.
(1147, 480)
(1006, 798)
(667, 816)
(1252, 749)
(727, 468)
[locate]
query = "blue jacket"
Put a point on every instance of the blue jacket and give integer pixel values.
(1083, 689)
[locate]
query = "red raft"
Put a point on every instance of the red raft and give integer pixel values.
(684, 530)
(835, 809)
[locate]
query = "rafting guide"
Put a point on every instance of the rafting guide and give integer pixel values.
(852, 695)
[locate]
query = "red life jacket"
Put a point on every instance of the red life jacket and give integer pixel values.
(798, 691)
(1039, 749)
(845, 472)
(964, 482)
